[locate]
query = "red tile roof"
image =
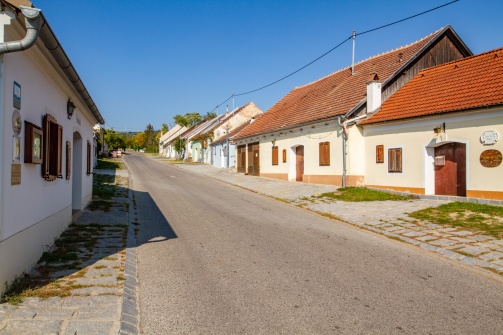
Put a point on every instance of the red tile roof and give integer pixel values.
(472, 82)
(335, 94)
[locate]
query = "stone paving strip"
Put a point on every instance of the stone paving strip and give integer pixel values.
(78, 286)
(388, 218)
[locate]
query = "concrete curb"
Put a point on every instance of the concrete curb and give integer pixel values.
(130, 316)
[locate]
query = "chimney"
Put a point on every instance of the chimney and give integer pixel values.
(373, 93)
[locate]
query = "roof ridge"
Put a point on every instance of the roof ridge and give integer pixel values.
(373, 57)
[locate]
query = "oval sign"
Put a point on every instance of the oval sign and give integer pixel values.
(490, 158)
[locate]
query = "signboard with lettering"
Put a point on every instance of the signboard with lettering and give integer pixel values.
(490, 158)
(489, 137)
(15, 174)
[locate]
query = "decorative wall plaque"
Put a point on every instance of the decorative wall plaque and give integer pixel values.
(489, 137)
(16, 96)
(16, 122)
(15, 174)
(490, 158)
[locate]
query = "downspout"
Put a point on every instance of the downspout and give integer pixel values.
(344, 125)
(343, 150)
(33, 21)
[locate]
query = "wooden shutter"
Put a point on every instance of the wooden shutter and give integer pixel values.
(324, 151)
(395, 160)
(275, 155)
(379, 153)
(68, 160)
(46, 144)
(59, 152)
(284, 155)
(88, 172)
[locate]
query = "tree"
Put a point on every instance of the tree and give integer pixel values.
(115, 140)
(210, 116)
(164, 128)
(187, 120)
(180, 146)
(141, 140)
(181, 120)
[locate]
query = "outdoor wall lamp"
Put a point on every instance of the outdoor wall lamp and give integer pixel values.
(439, 129)
(273, 143)
(70, 108)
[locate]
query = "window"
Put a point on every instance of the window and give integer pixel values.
(284, 155)
(53, 149)
(325, 154)
(395, 160)
(88, 172)
(275, 155)
(379, 153)
(34, 135)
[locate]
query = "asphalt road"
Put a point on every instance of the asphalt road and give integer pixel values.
(216, 259)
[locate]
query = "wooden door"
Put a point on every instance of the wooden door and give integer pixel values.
(250, 158)
(299, 166)
(253, 159)
(241, 157)
(450, 169)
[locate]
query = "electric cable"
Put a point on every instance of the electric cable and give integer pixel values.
(334, 48)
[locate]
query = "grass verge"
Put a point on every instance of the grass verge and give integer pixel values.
(485, 219)
(110, 164)
(357, 194)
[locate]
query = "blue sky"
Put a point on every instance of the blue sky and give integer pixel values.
(146, 61)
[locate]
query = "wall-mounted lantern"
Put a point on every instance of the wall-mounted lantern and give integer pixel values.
(439, 129)
(70, 108)
(273, 143)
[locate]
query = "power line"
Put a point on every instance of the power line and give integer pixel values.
(294, 72)
(334, 48)
(407, 18)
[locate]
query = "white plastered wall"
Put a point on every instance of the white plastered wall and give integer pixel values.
(35, 212)
(418, 141)
(308, 137)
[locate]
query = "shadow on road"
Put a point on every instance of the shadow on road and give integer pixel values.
(153, 225)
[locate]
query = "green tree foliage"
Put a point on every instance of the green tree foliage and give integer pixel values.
(180, 146)
(187, 120)
(210, 116)
(115, 140)
(164, 128)
(141, 140)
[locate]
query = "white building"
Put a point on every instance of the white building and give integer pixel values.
(46, 139)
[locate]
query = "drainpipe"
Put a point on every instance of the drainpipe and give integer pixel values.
(343, 150)
(344, 124)
(33, 21)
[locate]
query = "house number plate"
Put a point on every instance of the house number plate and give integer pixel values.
(490, 158)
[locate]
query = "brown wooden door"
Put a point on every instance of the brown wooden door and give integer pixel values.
(450, 178)
(250, 158)
(299, 166)
(241, 157)
(253, 159)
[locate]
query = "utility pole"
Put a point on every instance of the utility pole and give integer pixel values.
(228, 149)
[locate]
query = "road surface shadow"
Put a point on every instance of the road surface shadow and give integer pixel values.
(153, 227)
